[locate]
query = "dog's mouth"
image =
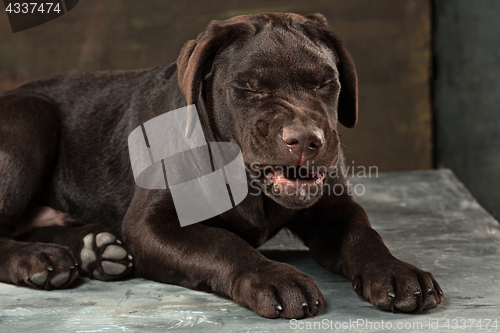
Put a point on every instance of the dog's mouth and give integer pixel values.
(291, 180)
(291, 175)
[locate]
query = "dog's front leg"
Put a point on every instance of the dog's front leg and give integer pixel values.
(213, 259)
(340, 238)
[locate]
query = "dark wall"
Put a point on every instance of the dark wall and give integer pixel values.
(389, 39)
(467, 95)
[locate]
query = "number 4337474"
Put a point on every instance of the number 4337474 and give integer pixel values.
(33, 7)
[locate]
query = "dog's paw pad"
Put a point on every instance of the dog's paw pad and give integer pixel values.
(98, 275)
(115, 252)
(60, 279)
(87, 255)
(407, 305)
(40, 278)
(112, 268)
(431, 302)
(104, 238)
(104, 257)
(384, 303)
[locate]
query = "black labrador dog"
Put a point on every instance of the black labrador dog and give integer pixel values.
(274, 84)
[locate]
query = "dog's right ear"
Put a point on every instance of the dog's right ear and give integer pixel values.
(348, 98)
(197, 56)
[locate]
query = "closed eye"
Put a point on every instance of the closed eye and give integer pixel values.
(252, 91)
(326, 84)
(248, 89)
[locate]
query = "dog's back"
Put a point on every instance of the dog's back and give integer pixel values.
(90, 175)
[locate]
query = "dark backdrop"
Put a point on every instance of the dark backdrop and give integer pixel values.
(389, 40)
(467, 95)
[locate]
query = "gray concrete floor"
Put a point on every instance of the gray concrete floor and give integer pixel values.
(426, 218)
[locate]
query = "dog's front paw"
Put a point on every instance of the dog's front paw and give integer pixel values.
(104, 257)
(275, 290)
(398, 286)
(42, 266)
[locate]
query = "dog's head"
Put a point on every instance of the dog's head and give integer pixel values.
(275, 84)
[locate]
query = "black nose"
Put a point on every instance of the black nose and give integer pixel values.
(303, 142)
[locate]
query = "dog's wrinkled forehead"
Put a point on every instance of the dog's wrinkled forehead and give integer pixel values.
(276, 56)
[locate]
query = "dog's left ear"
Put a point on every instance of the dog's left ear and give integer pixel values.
(348, 99)
(197, 56)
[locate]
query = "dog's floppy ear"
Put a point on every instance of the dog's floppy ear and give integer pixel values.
(348, 99)
(197, 56)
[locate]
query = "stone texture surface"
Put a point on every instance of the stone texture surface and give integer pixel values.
(426, 218)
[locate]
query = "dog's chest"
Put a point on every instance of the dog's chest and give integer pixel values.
(255, 220)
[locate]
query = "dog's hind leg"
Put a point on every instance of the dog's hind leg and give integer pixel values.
(28, 146)
(100, 253)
